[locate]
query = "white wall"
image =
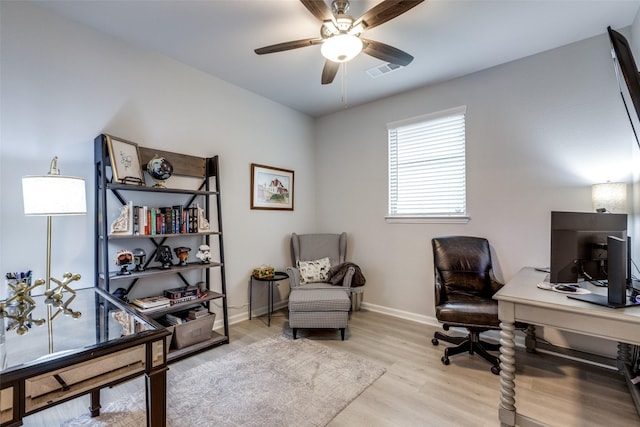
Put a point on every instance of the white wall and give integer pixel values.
(540, 131)
(63, 84)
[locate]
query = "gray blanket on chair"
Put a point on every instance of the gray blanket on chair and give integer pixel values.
(337, 273)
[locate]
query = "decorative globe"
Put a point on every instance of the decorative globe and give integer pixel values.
(160, 169)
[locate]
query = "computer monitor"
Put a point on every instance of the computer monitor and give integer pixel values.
(579, 248)
(617, 278)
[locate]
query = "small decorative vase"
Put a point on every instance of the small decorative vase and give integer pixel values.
(160, 170)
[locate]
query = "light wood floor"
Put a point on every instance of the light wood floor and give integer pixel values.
(418, 390)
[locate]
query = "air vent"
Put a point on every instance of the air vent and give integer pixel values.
(383, 69)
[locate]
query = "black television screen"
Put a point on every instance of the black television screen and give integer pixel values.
(628, 78)
(579, 244)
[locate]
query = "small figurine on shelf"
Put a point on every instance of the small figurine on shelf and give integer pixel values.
(164, 256)
(204, 254)
(182, 252)
(139, 258)
(124, 257)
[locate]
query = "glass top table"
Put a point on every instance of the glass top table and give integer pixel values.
(86, 341)
(91, 319)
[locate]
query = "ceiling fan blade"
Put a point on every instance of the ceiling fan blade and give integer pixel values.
(288, 45)
(386, 53)
(319, 9)
(329, 72)
(385, 11)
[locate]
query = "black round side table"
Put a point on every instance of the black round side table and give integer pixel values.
(277, 276)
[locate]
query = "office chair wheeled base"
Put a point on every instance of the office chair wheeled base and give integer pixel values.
(470, 344)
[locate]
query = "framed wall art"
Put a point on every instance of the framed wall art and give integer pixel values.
(125, 161)
(271, 188)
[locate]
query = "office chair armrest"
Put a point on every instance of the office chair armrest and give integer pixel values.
(438, 291)
(495, 284)
(294, 277)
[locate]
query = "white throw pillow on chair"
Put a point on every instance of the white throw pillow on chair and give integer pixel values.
(314, 271)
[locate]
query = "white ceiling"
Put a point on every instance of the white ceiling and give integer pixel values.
(448, 38)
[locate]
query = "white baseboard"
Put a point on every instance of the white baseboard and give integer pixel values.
(419, 318)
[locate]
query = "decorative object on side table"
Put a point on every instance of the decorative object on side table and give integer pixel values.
(182, 252)
(160, 170)
(264, 272)
(164, 256)
(124, 258)
(204, 254)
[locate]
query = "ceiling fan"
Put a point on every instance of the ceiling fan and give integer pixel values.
(340, 34)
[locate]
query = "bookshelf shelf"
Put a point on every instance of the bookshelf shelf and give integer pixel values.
(159, 236)
(156, 271)
(201, 176)
(130, 187)
(161, 311)
(214, 340)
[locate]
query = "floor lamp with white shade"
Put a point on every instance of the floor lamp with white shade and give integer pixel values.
(54, 195)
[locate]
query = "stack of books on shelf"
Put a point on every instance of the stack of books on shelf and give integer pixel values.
(174, 320)
(193, 314)
(149, 303)
(165, 220)
(197, 313)
(178, 295)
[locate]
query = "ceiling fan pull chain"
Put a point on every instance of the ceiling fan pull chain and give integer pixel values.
(344, 85)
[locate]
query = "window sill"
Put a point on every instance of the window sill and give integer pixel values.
(428, 220)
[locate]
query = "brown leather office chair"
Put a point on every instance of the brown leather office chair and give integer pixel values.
(464, 286)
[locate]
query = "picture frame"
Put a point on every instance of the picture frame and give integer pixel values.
(271, 188)
(125, 161)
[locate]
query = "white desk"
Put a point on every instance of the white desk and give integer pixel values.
(520, 300)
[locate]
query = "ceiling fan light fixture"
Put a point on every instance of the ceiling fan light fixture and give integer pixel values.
(341, 48)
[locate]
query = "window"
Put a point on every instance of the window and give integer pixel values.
(427, 166)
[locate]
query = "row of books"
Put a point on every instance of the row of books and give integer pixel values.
(165, 220)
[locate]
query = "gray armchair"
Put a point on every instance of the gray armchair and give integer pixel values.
(315, 302)
(311, 247)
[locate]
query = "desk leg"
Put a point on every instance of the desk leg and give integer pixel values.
(250, 295)
(624, 356)
(270, 302)
(94, 409)
(530, 339)
(507, 411)
(156, 387)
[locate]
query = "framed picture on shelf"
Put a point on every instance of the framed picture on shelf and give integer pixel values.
(125, 161)
(271, 188)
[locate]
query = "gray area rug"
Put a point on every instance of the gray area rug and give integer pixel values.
(274, 382)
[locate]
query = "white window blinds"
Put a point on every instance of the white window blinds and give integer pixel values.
(427, 165)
